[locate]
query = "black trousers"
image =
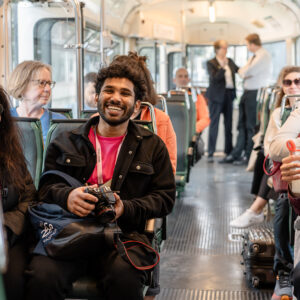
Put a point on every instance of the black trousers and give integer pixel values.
(283, 259)
(215, 110)
(51, 279)
(246, 124)
(14, 279)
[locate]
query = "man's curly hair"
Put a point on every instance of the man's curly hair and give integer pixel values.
(121, 70)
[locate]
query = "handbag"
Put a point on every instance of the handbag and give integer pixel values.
(64, 235)
(278, 185)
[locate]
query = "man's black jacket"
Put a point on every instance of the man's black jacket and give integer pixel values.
(216, 90)
(143, 173)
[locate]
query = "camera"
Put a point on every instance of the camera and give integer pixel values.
(104, 208)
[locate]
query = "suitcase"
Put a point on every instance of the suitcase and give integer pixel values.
(258, 256)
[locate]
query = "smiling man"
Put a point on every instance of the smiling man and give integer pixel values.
(110, 150)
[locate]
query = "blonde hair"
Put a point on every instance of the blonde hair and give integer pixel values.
(22, 75)
(283, 73)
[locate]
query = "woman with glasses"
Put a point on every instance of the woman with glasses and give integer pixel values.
(31, 84)
(290, 164)
(16, 191)
(289, 80)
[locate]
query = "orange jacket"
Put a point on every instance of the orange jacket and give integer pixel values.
(165, 131)
(202, 120)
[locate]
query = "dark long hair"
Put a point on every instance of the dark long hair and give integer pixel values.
(12, 160)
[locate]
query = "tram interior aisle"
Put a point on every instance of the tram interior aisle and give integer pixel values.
(200, 260)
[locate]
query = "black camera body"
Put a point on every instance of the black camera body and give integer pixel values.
(104, 208)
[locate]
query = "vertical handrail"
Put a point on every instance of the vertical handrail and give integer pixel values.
(6, 30)
(79, 53)
(102, 28)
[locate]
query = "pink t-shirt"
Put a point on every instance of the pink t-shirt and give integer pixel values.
(109, 150)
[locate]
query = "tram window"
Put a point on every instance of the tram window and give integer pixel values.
(174, 62)
(152, 54)
(298, 51)
(197, 56)
(240, 58)
(277, 51)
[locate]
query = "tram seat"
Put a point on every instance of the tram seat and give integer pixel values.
(64, 111)
(179, 117)
(192, 127)
(86, 114)
(32, 144)
(87, 287)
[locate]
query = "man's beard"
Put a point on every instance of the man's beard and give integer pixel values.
(128, 112)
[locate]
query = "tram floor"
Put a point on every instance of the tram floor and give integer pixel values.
(201, 258)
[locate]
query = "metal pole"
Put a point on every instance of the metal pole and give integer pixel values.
(6, 45)
(102, 24)
(79, 54)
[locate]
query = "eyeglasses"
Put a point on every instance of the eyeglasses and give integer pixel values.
(288, 82)
(43, 83)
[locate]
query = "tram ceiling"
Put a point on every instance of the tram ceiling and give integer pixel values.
(272, 19)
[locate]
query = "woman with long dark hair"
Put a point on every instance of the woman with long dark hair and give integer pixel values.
(17, 190)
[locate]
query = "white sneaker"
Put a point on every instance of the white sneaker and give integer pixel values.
(247, 219)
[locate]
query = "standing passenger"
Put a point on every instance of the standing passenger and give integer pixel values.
(31, 84)
(256, 74)
(181, 81)
(220, 93)
(16, 191)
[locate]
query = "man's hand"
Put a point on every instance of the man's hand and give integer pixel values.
(119, 206)
(290, 168)
(77, 202)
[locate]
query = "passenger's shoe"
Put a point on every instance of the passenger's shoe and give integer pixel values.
(227, 159)
(210, 159)
(247, 219)
(242, 161)
(283, 288)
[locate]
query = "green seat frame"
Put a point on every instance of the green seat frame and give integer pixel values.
(64, 111)
(32, 144)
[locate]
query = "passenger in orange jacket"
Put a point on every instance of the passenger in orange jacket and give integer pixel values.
(181, 81)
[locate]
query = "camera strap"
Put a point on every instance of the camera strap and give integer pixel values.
(124, 247)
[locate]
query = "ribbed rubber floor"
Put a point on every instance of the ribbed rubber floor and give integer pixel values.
(201, 257)
(185, 294)
(197, 231)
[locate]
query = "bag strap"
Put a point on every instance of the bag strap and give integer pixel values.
(275, 169)
(73, 182)
(123, 251)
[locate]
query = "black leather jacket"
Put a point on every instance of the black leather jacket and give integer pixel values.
(216, 90)
(143, 173)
